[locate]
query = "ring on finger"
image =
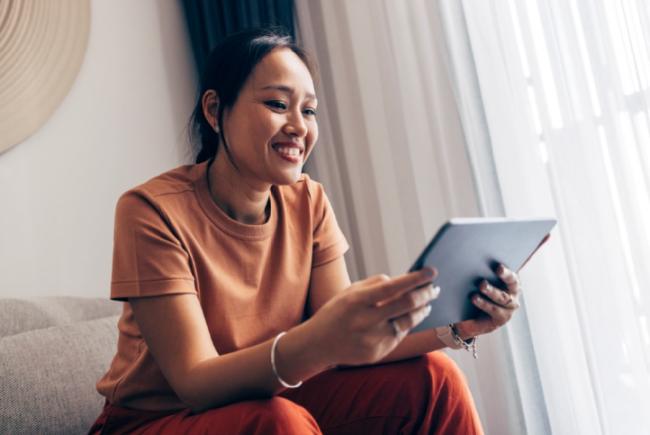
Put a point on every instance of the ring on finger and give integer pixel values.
(396, 329)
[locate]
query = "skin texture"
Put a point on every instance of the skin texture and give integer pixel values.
(350, 323)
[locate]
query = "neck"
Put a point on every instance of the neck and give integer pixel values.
(240, 198)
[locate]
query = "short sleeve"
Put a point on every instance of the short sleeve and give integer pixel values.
(329, 243)
(148, 259)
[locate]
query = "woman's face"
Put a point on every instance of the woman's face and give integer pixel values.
(274, 115)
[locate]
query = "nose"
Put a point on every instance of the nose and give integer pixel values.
(295, 125)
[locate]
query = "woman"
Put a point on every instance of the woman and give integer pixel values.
(217, 260)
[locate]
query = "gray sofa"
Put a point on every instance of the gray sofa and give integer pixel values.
(52, 351)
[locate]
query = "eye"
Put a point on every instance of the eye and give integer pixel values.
(276, 104)
(310, 112)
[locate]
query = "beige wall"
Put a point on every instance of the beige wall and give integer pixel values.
(119, 126)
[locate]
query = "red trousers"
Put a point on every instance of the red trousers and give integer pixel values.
(422, 395)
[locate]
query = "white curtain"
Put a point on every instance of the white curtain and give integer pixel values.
(393, 159)
(558, 92)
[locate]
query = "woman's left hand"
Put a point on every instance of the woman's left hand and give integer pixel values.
(498, 305)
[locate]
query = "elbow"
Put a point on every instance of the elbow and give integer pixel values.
(194, 403)
(196, 399)
(196, 409)
(191, 403)
(201, 394)
(188, 395)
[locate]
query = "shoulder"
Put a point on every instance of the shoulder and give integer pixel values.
(306, 200)
(305, 188)
(177, 181)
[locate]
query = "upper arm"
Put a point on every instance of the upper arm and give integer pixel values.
(326, 282)
(175, 330)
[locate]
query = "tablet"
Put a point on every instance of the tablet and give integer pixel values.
(467, 250)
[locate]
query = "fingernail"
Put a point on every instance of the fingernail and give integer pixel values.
(428, 271)
(478, 299)
(505, 272)
(436, 292)
(427, 310)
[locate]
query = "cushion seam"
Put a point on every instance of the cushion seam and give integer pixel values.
(61, 325)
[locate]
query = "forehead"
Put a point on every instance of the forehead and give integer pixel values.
(281, 67)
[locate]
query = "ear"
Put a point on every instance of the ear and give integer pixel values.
(210, 103)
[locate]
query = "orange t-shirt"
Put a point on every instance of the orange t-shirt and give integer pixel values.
(251, 280)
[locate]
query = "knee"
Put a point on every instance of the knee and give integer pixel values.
(440, 373)
(450, 402)
(279, 416)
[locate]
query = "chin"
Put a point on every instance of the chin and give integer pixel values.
(287, 179)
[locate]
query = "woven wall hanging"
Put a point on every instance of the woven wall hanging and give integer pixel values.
(42, 47)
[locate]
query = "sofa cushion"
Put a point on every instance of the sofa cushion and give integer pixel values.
(48, 376)
(21, 315)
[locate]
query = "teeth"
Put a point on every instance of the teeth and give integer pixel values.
(289, 151)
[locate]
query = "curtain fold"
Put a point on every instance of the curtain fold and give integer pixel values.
(391, 154)
(210, 21)
(565, 87)
(517, 348)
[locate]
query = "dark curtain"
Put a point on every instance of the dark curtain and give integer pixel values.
(209, 21)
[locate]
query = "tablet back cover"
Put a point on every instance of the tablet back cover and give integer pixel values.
(466, 251)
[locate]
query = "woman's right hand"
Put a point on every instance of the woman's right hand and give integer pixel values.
(353, 328)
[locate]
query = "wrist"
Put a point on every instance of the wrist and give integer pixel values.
(469, 344)
(297, 358)
(463, 332)
(318, 345)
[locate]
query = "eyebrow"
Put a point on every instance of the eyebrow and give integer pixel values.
(288, 90)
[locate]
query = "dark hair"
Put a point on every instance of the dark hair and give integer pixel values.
(226, 70)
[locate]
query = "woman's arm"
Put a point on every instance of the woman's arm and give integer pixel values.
(351, 328)
(176, 332)
(332, 278)
(497, 304)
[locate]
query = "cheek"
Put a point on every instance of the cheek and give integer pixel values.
(261, 126)
(312, 137)
(266, 129)
(314, 132)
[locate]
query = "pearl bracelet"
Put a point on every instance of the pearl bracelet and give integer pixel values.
(275, 370)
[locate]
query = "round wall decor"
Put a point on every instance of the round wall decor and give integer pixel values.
(42, 47)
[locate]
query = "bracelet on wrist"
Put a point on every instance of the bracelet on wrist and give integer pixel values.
(275, 369)
(448, 334)
(469, 345)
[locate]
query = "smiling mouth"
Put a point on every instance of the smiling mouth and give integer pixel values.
(289, 151)
(293, 155)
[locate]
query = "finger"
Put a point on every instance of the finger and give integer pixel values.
(510, 279)
(376, 279)
(408, 321)
(398, 285)
(407, 302)
(499, 315)
(548, 236)
(499, 296)
(396, 329)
